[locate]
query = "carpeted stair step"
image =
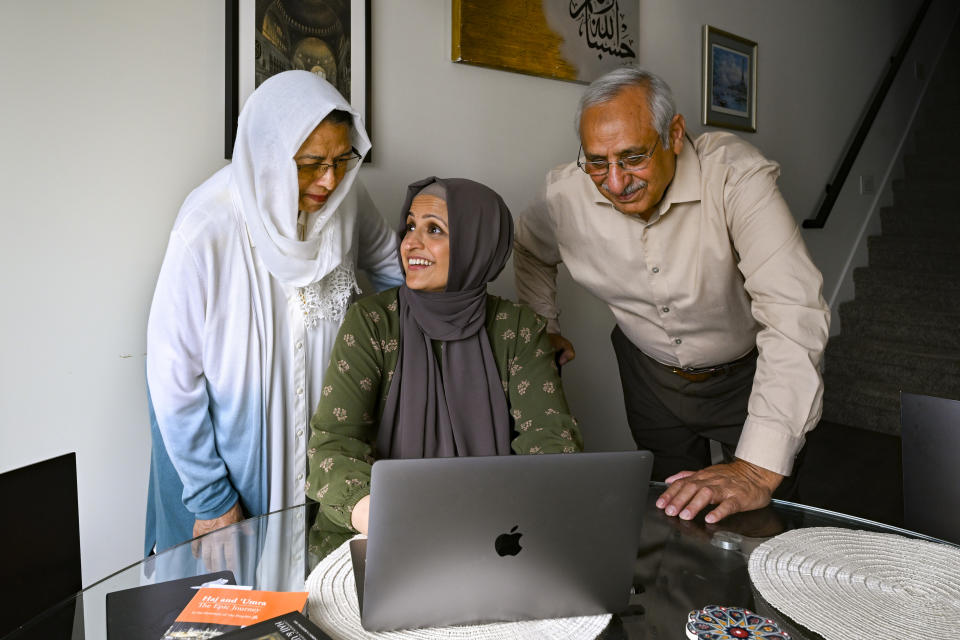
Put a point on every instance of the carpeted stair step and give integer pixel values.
(932, 140)
(934, 292)
(902, 323)
(946, 103)
(925, 139)
(943, 89)
(900, 221)
(942, 86)
(926, 191)
(921, 255)
(944, 246)
(916, 368)
(862, 404)
(942, 97)
(926, 167)
(945, 212)
(939, 95)
(926, 126)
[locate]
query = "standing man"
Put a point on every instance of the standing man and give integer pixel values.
(721, 324)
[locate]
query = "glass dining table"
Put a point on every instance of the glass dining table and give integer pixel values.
(680, 566)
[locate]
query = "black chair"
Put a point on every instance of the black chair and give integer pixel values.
(930, 434)
(40, 541)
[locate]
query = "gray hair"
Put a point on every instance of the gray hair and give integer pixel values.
(609, 85)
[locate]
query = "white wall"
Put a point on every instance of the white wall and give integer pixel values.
(111, 111)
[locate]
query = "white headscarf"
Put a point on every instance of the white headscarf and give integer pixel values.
(274, 122)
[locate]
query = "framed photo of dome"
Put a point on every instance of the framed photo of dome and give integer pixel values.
(327, 37)
(729, 80)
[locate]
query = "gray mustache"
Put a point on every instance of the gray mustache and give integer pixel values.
(629, 190)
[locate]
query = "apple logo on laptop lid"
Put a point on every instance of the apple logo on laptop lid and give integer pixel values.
(508, 544)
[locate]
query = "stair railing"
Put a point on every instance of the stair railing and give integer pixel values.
(836, 183)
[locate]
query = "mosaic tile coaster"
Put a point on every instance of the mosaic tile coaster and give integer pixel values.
(714, 622)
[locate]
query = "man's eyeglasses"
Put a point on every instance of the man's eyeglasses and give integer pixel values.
(630, 164)
(315, 170)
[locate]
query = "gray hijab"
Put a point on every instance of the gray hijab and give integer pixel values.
(457, 408)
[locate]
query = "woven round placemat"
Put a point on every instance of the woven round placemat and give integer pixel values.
(332, 605)
(846, 584)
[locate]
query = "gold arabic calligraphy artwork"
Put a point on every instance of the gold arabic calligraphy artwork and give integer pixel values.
(576, 40)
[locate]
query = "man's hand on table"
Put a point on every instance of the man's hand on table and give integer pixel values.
(733, 487)
(563, 347)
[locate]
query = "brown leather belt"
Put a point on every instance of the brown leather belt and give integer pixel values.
(699, 375)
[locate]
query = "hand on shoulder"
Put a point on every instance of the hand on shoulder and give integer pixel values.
(563, 348)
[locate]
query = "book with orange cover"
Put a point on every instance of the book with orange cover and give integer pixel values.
(214, 611)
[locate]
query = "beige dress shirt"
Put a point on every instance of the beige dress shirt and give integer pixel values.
(719, 268)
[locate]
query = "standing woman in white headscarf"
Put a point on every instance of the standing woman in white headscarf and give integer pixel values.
(256, 279)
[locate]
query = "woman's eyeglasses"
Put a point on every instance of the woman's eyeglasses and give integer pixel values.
(315, 170)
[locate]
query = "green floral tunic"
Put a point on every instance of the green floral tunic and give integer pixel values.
(344, 429)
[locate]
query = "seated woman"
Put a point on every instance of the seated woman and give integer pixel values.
(436, 368)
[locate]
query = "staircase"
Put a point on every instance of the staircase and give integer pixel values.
(901, 332)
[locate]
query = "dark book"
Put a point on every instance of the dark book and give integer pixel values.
(289, 626)
(145, 613)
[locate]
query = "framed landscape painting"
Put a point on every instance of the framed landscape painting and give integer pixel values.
(729, 80)
(327, 37)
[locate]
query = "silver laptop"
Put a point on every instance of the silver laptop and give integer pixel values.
(473, 540)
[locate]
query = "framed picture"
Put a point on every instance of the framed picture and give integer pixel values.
(729, 80)
(328, 37)
(576, 40)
